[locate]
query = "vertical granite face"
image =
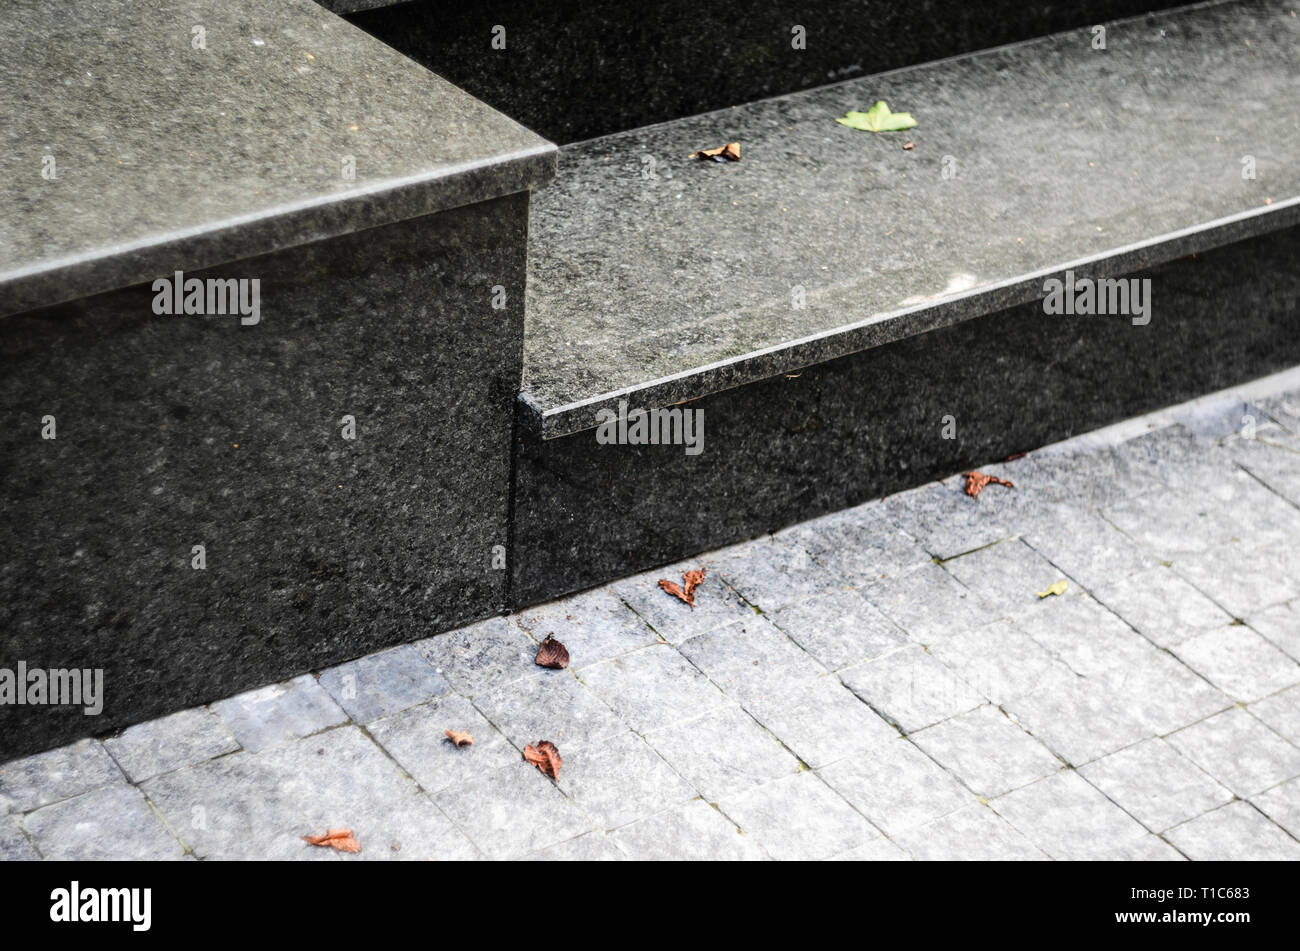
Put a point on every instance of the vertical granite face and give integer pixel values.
(178, 431)
(843, 432)
(573, 69)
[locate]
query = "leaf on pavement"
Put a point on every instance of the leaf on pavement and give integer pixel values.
(878, 119)
(723, 153)
(340, 839)
(551, 653)
(459, 737)
(976, 481)
(691, 580)
(1056, 587)
(545, 757)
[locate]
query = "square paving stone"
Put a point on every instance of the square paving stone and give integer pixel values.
(879, 849)
(159, 746)
(253, 806)
(513, 811)
(1281, 625)
(553, 706)
(772, 573)
(1237, 832)
(910, 688)
(588, 847)
(1260, 517)
(824, 722)
(691, 832)
(1244, 581)
(945, 520)
(1150, 848)
(14, 846)
(62, 773)
(716, 604)
(1086, 548)
(1282, 805)
(417, 740)
(1162, 693)
(973, 834)
(593, 626)
(930, 604)
(620, 780)
(1156, 784)
(1009, 576)
(839, 628)
(1086, 636)
(1162, 606)
(896, 786)
(652, 687)
(753, 662)
(1170, 525)
(859, 545)
(998, 660)
(1282, 712)
(113, 823)
(384, 683)
(798, 818)
(1067, 818)
(987, 751)
(1239, 751)
(1240, 662)
(723, 751)
(480, 657)
(1078, 718)
(279, 713)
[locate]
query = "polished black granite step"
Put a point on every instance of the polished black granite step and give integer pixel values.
(655, 278)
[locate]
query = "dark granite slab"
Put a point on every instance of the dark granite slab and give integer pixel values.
(1102, 161)
(576, 69)
(176, 431)
(167, 156)
(790, 448)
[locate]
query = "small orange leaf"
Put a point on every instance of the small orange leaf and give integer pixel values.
(673, 588)
(340, 839)
(459, 737)
(976, 481)
(545, 757)
(692, 580)
(723, 153)
(551, 653)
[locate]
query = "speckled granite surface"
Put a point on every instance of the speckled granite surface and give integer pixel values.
(671, 287)
(171, 156)
(851, 429)
(176, 431)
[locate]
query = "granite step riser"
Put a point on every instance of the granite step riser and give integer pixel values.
(848, 430)
(343, 460)
(605, 71)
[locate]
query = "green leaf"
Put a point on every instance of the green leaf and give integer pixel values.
(878, 119)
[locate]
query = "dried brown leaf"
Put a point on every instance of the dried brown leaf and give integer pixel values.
(723, 153)
(976, 481)
(545, 757)
(692, 581)
(459, 737)
(551, 653)
(340, 839)
(908, 146)
(673, 588)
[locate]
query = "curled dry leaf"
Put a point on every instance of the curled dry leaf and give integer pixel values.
(673, 588)
(691, 579)
(459, 737)
(551, 653)
(976, 481)
(545, 757)
(340, 839)
(723, 153)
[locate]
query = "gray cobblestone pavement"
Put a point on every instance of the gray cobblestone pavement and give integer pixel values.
(882, 683)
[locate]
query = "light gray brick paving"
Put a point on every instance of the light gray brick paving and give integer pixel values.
(929, 604)
(1150, 848)
(1239, 751)
(1077, 718)
(549, 705)
(897, 786)
(14, 846)
(62, 773)
(1282, 805)
(1234, 833)
(1162, 693)
(620, 780)
(1282, 712)
(279, 713)
(417, 740)
(384, 683)
(879, 849)
(716, 604)
(589, 847)
(652, 687)
(824, 722)
(987, 751)
(478, 658)
(1240, 662)
(111, 823)
(1283, 407)
(1162, 606)
(171, 742)
(839, 628)
(1085, 635)
(1156, 784)
(772, 573)
(1083, 473)
(910, 688)
(1086, 548)
(945, 520)
(513, 811)
(693, 831)
(1009, 576)
(1173, 456)
(859, 545)
(798, 817)
(1281, 625)
(975, 833)
(1069, 819)
(723, 751)
(753, 661)
(1170, 525)
(594, 626)
(998, 660)
(1258, 580)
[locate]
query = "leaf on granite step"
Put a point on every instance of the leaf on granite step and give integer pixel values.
(878, 119)
(691, 580)
(459, 737)
(723, 153)
(545, 757)
(551, 653)
(976, 481)
(673, 588)
(340, 839)
(1056, 587)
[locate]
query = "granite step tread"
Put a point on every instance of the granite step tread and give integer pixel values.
(186, 135)
(656, 278)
